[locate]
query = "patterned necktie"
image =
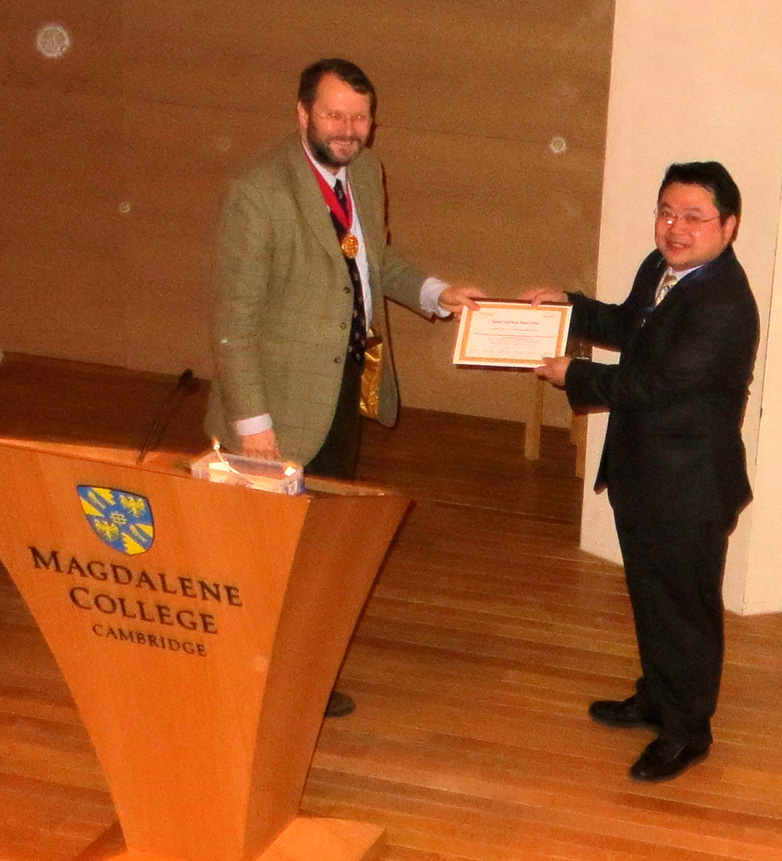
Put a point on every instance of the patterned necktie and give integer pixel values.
(669, 281)
(358, 326)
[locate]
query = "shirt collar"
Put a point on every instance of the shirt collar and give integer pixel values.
(680, 275)
(331, 178)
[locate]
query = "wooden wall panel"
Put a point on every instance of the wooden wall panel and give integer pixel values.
(124, 145)
(92, 66)
(59, 250)
(241, 56)
(500, 214)
(174, 168)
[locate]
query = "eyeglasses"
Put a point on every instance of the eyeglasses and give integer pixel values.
(337, 118)
(690, 219)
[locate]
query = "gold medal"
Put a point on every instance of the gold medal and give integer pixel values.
(349, 245)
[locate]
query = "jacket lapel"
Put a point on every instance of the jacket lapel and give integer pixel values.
(307, 192)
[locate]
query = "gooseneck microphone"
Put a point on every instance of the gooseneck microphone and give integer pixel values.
(164, 414)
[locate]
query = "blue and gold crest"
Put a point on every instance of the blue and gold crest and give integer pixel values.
(120, 519)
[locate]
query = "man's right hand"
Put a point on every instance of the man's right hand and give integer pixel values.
(539, 295)
(261, 445)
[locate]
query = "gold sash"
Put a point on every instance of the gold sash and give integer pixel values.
(370, 377)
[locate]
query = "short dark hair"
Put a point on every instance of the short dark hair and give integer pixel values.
(712, 176)
(344, 70)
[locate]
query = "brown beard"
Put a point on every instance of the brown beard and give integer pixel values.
(324, 154)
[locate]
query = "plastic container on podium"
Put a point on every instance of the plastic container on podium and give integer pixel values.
(270, 475)
(200, 628)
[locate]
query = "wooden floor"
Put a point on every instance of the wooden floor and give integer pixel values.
(487, 635)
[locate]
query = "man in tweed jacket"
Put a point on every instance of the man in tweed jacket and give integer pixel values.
(286, 386)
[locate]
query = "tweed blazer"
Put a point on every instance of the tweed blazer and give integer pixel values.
(673, 446)
(283, 299)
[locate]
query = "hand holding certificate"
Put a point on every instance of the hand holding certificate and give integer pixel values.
(511, 334)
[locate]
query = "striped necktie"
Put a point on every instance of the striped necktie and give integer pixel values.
(669, 281)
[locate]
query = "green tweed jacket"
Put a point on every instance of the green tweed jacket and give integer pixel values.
(283, 300)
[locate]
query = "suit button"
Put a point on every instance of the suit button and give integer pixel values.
(346, 289)
(343, 325)
(338, 360)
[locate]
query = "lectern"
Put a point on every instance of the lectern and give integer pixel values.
(200, 628)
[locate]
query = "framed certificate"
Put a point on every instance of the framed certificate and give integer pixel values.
(508, 334)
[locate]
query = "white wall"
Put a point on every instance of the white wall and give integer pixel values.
(763, 583)
(698, 81)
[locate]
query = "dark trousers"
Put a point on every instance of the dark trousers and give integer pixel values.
(674, 574)
(338, 456)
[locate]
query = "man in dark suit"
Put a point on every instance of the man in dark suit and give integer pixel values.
(302, 271)
(673, 461)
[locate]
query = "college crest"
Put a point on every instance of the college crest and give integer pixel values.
(120, 519)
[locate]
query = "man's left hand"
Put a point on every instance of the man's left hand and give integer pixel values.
(454, 299)
(553, 370)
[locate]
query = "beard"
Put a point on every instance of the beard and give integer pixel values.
(322, 150)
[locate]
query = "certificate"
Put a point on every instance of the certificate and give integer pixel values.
(511, 334)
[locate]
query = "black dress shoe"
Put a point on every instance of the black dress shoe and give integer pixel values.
(621, 713)
(664, 759)
(340, 705)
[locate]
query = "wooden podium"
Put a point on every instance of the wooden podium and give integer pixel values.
(200, 628)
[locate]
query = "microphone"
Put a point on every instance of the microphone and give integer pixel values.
(164, 413)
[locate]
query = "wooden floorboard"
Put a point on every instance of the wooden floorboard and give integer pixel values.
(485, 638)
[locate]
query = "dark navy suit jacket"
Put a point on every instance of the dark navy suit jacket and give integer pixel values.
(676, 398)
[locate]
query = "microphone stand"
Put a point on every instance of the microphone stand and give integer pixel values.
(164, 413)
